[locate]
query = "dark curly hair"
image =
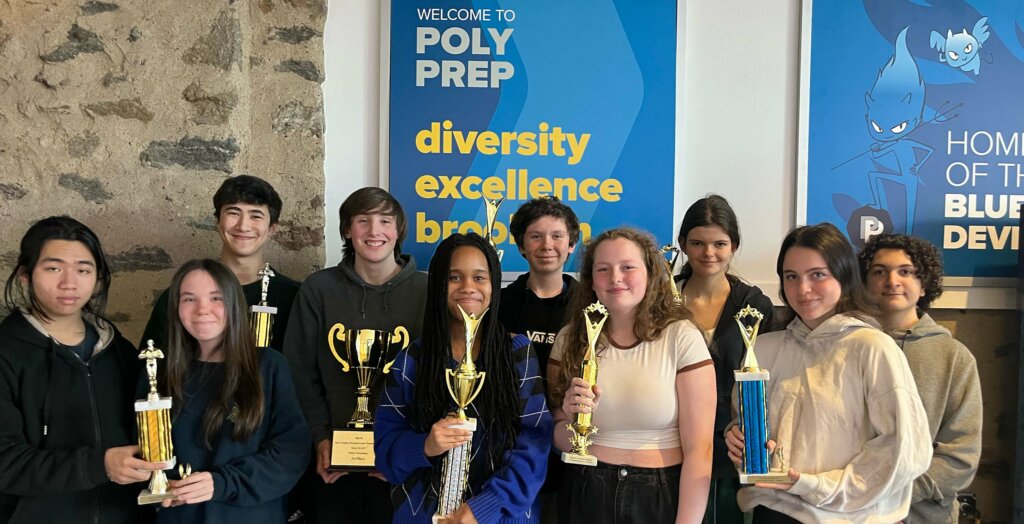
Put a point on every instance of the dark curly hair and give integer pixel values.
(534, 209)
(923, 254)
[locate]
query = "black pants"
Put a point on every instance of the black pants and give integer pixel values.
(354, 498)
(763, 515)
(612, 494)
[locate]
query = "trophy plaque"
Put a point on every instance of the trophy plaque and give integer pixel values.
(671, 263)
(581, 429)
(261, 316)
(367, 353)
(153, 415)
(464, 384)
(492, 217)
(753, 419)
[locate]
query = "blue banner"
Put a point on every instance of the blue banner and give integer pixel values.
(522, 99)
(916, 125)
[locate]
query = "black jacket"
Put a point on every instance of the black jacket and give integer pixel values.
(727, 351)
(540, 319)
(58, 416)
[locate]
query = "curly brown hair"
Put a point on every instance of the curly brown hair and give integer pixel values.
(923, 254)
(655, 312)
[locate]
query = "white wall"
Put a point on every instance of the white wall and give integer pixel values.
(737, 104)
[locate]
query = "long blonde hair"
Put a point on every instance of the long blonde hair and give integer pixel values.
(655, 312)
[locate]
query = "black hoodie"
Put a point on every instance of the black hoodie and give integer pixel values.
(540, 319)
(58, 416)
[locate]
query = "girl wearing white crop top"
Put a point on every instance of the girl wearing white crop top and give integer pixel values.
(842, 402)
(654, 401)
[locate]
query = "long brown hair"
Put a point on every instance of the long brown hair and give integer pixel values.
(655, 312)
(243, 384)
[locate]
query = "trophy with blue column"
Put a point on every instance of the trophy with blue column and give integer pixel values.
(753, 404)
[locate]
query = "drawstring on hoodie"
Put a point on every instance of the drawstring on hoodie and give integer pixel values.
(362, 305)
(387, 293)
(49, 383)
(905, 333)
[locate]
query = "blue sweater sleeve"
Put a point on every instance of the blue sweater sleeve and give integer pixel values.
(397, 447)
(283, 451)
(513, 488)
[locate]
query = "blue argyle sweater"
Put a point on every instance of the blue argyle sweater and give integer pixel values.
(510, 493)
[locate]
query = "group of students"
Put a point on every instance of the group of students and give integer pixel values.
(877, 407)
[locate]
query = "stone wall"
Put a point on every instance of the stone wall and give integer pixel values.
(129, 115)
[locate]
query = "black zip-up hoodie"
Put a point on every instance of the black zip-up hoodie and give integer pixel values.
(58, 416)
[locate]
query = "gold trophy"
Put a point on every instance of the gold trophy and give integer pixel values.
(153, 416)
(671, 263)
(261, 316)
(581, 428)
(367, 353)
(464, 384)
(750, 382)
(492, 217)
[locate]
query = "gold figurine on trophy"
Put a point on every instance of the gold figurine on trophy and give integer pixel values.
(581, 428)
(671, 262)
(464, 384)
(367, 352)
(492, 216)
(153, 415)
(261, 316)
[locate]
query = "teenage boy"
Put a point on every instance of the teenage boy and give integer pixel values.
(546, 232)
(903, 276)
(247, 209)
(374, 287)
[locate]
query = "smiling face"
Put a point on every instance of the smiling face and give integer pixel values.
(811, 289)
(708, 250)
(201, 310)
(469, 283)
(546, 245)
(373, 237)
(64, 279)
(244, 228)
(620, 276)
(892, 282)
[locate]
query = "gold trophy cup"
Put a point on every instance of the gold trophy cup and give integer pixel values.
(671, 263)
(367, 354)
(492, 217)
(581, 428)
(464, 384)
(261, 316)
(153, 415)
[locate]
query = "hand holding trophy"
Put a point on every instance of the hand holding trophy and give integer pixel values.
(464, 384)
(753, 419)
(581, 428)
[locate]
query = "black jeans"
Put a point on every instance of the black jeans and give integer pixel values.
(763, 515)
(613, 494)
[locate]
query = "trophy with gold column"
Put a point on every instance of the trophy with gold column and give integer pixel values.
(367, 353)
(671, 263)
(261, 316)
(753, 404)
(581, 428)
(153, 416)
(464, 384)
(492, 217)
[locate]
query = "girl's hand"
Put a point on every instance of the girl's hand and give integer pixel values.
(580, 398)
(442, 437)
(734, 444)
(463, 515)
(193, 489)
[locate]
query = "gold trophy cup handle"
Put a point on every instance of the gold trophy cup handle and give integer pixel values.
(400, 336)
(479, 387)
(337, 331)
(448, 376)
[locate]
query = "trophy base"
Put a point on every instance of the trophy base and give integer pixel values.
(775, 477)
(352, 450)
(579, 460)
(154, 498)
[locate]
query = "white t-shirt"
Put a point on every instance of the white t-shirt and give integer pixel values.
(639, 408)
